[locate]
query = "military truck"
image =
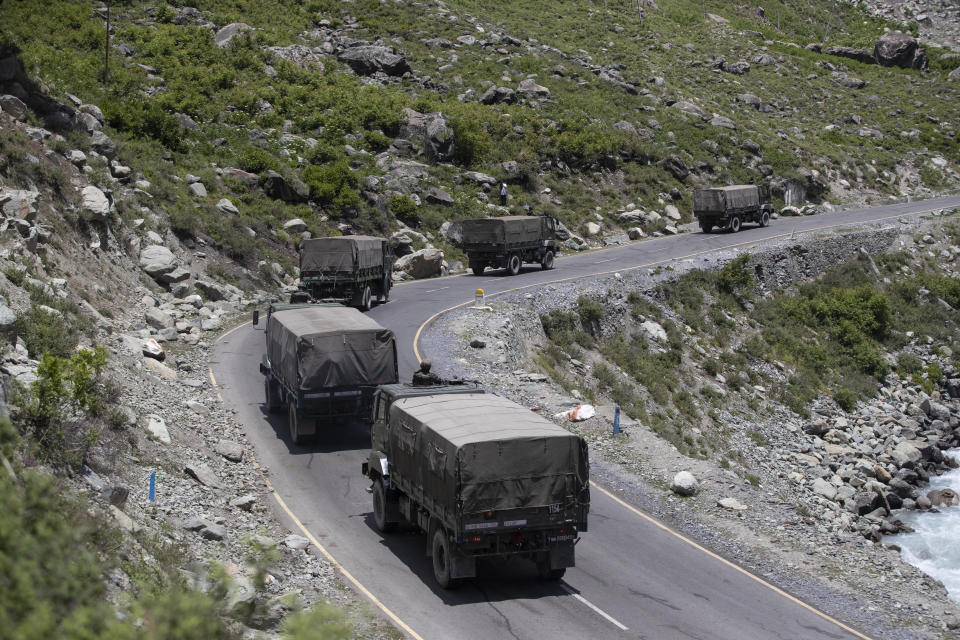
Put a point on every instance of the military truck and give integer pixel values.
(348, 269)
(324, 362)
(729, 207)
(482, 476)
(509, 241)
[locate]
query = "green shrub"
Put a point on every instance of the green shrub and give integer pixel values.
(560, 326)
(404, 208)
(333, 185)
(256, 160)
(909, 363)
(46, 333)
(735, 277)
(846, 398)
(590, 312)
(711, 366)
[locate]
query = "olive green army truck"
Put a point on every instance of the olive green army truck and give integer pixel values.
(348, 269)
(324, 363)
(508, 242)
(729, 207)
(482, 476)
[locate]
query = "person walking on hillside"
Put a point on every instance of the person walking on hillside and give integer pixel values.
(503, 194)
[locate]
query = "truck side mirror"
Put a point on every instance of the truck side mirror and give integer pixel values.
(256, 317)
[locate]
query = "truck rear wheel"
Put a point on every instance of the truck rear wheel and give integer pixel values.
(380, 507)
(513, 265)
(764, 219)
(734, 224)
(271, 395)
(385, 290)
(442, 560)
(705, 226)
(547, 263)
(544, 570)
(477, 268)
(362, 300)
(293, 419)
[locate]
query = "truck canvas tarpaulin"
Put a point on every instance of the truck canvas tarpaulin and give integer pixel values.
(341, 254)
(723, 199)
(505, 230)
(321, 348)
(485, 452)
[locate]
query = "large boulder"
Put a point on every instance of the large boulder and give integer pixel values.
(530, 89)
(684, 484)
(94, 202)
(102, 144)
(896, 49)
(223, 37)
(431, 130)
(367, 60)
(498, 95)
(675, 166)
(156, 260)
(906, 454)
(425, 263)
(280, 188)
(14, 106)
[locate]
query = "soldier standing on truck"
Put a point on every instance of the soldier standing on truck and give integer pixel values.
(423, 377)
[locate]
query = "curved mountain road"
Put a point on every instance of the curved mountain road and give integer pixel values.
(634, 577)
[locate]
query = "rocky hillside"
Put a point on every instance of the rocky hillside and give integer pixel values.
(248, 125)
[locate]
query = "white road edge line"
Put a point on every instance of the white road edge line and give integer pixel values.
(435, 290)
(602, 261)
(598, 610)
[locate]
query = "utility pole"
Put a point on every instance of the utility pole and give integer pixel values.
(106, 49)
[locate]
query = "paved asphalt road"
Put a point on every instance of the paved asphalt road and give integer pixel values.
(634, 578)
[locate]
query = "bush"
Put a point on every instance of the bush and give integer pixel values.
(590, 312)
(333, 185)
(46, 333)
(846, 398)
(404, 208)
(711, 366)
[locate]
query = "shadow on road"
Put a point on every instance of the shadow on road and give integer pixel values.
(331, 437)
(497, 580)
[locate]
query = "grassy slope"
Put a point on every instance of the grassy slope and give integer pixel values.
(220, 89)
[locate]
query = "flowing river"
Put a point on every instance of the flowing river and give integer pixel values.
(934, 547)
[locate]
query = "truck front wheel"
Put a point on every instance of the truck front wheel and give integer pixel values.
(734, 224)
(547, 262)
(764, 219)
(380, 507)
(442, 560)
(513, 265)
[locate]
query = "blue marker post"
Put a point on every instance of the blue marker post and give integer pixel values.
(153, 485)
(616, 419)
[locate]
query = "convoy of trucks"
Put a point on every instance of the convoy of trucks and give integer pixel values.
(509, 241)
(483, 477)
(348, 269)
(729, 207)
(324, 362)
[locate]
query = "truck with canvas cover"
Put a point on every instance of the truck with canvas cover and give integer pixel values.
(482, 476)
(729, 207)
(509, 241)
(348, 269)
(324, 363)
